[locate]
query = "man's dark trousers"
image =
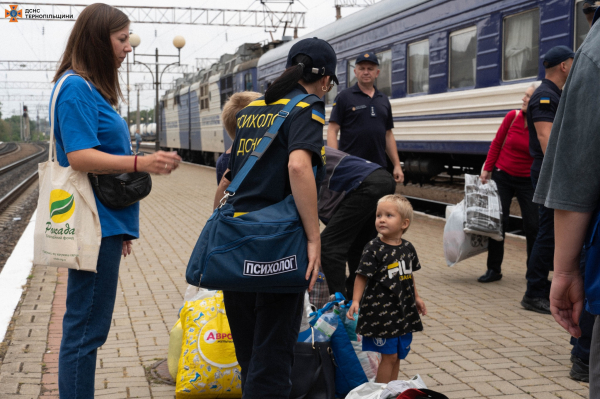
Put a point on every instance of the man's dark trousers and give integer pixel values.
(541, 260)
(350, 229)
(265, 329)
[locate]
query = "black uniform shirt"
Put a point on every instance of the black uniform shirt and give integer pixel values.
(363, 123)
(543, 105)
(269, 182)
(388, 308)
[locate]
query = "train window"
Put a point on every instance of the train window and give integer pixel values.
(248, 82)
(384, 80)
(351, 77)
(330, 97)
(418, 67)
(581, 25)
(521, 45)
(463, 58)
(204, 96)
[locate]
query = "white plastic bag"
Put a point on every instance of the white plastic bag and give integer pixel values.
(369, 361)
(395, 388)
(483, 211)
(368, 390)
(459, 245)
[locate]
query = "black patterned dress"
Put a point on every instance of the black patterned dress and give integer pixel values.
(388, 308)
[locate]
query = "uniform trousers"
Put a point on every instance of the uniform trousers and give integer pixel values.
(90, 303)
(508, 187)
(350, 229)
(265, 329)
(541, 260)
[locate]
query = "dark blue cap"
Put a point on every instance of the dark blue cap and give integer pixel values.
(556, 55)
(322, 55)
(369, 57)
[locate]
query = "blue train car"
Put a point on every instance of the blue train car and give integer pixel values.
(452, 69)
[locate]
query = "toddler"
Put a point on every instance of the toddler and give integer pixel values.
(386, 290)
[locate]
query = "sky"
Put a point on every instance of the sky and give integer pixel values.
(35, 40)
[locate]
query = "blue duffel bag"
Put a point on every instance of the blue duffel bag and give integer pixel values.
(261, 251)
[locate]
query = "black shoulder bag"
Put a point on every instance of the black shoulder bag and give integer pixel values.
(118, 191)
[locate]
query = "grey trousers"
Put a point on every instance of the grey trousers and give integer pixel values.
(595, 361)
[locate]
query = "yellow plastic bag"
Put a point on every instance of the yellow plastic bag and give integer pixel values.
(175, 339)
(208, 367)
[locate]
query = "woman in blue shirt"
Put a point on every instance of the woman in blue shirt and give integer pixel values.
(92, 137)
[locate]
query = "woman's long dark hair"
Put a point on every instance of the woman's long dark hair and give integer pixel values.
(90, 52)
(290, 77)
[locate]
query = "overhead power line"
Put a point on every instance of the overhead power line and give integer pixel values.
(177, 15)
(25, 85)
(24, 97)
(53, 65)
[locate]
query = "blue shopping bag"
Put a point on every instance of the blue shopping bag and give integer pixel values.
(261, 251)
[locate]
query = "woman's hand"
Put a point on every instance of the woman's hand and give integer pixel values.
(485, 176)
(314, 262)
(127, 248)
(353, 310)
(161, 162)
(421, 308)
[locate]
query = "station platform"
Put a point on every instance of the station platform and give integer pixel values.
(478, 341)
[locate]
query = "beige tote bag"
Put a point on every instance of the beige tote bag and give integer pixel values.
(67, 227)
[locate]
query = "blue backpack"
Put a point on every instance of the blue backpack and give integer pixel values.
(261, 251)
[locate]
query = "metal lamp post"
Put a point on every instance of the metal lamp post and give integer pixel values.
(178, 42)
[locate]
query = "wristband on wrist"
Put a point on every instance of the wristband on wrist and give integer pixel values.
(135, 164)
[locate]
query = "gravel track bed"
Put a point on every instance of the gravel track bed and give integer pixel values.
(11, 179)
(26, 150)
(11, 229)
(7, 147)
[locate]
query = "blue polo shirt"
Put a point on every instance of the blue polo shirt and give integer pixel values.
(542, 107)
(84, 119)
(363, 122)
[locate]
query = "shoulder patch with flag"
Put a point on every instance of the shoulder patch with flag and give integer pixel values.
(319, 117)
(545, 100)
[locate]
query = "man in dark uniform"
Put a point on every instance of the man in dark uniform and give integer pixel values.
(364, 116)
(540, 116)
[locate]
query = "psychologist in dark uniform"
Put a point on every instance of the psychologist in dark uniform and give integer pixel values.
(265, 326)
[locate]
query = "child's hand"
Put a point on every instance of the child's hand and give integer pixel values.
(421, 306)
(353, 309)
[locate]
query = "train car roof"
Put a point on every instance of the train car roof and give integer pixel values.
(246, 65)
(369, 15)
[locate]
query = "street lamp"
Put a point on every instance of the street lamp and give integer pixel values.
(178, 42)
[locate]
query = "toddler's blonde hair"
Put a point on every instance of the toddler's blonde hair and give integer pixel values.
(404, 207)
(235, 104)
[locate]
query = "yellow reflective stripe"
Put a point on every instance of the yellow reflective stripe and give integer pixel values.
(262, 103)
(318, 119)
(236, 214)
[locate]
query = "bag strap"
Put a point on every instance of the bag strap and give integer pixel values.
(511, 124)
(52, 149)
(263, 146)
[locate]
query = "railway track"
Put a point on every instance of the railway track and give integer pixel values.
(23, 175)
(8, 148)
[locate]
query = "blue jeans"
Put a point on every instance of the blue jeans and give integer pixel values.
(541, 260)
(265, 330)
(90, 304)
